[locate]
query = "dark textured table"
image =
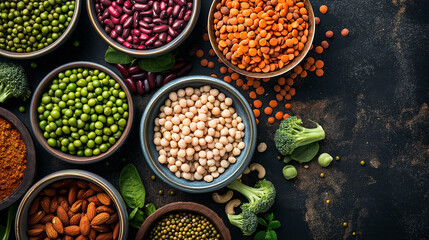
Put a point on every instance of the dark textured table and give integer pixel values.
(372, 102)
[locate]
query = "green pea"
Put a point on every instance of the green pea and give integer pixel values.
(88, 152)
(52, 142)
(289, 172)
(324, 159)
(122, 122)
(21, 109)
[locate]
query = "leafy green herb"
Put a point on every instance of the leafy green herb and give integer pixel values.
(149, 209)
(5, 231)
(132, 188)
(305, 153)
(138, 219)
(133, 213)
(158, 64)
(116, 57)
(270, 224)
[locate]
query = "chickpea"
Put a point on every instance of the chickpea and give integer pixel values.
(202, 161)
(240, 126)
(241, 145)
(181, 93)
(208, 178)
(172, 96)
(215, 174)
(221, 170)
(187, 175)
(198, 176)
(162, 159)
(201, 170)
(189, 91)
(173, 168)
(212, 168)
(211, 163)
(232, 159)
(178, 174)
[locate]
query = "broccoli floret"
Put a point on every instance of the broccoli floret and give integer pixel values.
(261, 197)
(247, 221)
(291, 134)
(13, 82)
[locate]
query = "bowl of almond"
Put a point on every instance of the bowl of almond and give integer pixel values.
(72, 204)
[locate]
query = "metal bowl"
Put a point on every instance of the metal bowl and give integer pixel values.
(146, 227)
(145, 53)
(31, 159)
(57, 43)
(271, 74)
(151, 154)
(22, 213)
(44, 84)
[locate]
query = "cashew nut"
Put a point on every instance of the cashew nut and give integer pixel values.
(246, 170)
(262, 147)
(222, 198)
(229, 208)
(258, 167)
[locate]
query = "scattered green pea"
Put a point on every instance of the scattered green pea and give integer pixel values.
(172, 193)
(33, 65)
(160, 192)
(153, 177)
(324, 159)
(345, 224)
(76, 43)
(21, 109)
(322, 175)
(328, 201)
(107, 164)
(362, 163)
(354, 233)
(289, 172)
(337, 158)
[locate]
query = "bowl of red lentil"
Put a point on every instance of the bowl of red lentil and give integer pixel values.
(17, 159)
(261, 39)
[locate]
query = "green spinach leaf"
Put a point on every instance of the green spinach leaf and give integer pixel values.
(158, 64)
(138, 219)
(116, 57)
(260, 235)
(149, 209)
(269, 216)
(133, 213)
(305, 153)
(262, 222)
(274, 224)
(271, 235)
(132, 188)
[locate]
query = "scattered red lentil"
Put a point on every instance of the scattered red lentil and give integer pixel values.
(286, 116)
(319, 64)
(319, 72)
(257, 103)
(256, 112)
(345, 32)
(273, 103)
(204, 62)
(239, 82)
(319, 50)
(325, 44)
(323, 9)
(260, 90)
(271, 120)
(206, 37)
(214, 75)
(223, 70)
(279, 115)
(277, 88)
(329, 34)
(252, 95)
(235, 76)
(212, 53)
(268, 110)
(288, 106)
(200, 53)
(227, 79)
(211, 64)
(317, 20)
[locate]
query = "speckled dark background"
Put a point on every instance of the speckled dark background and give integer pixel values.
(372, 102)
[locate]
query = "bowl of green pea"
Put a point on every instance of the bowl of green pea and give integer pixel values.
(32, 28)
(81, 112)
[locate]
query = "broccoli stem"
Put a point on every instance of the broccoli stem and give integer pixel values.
(309, 135)
(5, 92)
(248, 192)
(236, 220)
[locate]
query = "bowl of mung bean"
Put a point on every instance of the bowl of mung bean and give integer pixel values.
(261, 39)
(30, 29)
(81, 112)
(198, 134)
(189, 219)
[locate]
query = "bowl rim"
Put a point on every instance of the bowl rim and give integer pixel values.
(57, 43)
(213, 82)
(278, 72)
(77, 174)
(151, 52)
(186, 207)
(30, 171)
(35, 122)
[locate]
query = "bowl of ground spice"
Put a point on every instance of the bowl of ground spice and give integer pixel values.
(261, 39)
(17, 159)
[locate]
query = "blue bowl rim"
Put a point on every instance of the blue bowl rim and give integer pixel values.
(252, 130)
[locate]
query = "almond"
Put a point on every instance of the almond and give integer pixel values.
(80, 237)
(113, 218)
(54, 205)
(76, 206)
(34, 206)
(72, 195)
(116, 232)
(65, 205)
(72, 230)
(36, 217)
(104, 208)
(95, 187)
(45, 203)
(91, 212)
(35, 232)
(101, 228)
(58, 225)
(63, 192)
(51, 192)
(90, 192)
(84, 225)
(104, 198)
(105, 236)
(100, 219)
(70, 213)
(95, 200)
(66, 237)
(61, 199)
(42, 226)
(57, 184)
(92, 234)
(47, 218)
(82, 183)
(62, 215)
(84, 205)
(50, 231)
(80, 193)
(75, 220)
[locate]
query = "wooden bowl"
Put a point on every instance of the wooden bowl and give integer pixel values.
(31, 159)
(35, 101)
(278, 72)
(146, 227)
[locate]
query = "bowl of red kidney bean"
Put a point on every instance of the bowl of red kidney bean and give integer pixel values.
(144, 28)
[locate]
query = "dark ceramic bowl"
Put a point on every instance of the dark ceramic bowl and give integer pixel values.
(146, 227)
(109, 189)
(35, 101)
(31, 159)
(278, 72)
(51, 47)
(145, 53)
(151, 154)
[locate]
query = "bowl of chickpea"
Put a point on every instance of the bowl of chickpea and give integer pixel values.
(198, 134)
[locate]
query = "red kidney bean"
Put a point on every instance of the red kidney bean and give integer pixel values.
(181, 13)
(145, 31)
(160, 29)
(120, 2)
(150, 3)
(180, 2)
(151, 79)
(170, 20)
(129, 38)
(138, 76)
(171, 32)
(147, 19)
(156, 7)
(128, 22)
(169, 38)
(158, 43)
(143, 24)
(118, 29)
(178, 24)
(97, 8)
(113, 11)
(106, 3)
(170, 2)
(141, 46)
(163, 14)
(135, 19)
(177, 66)
(123, 18)
(146, 13)
(144, 37)
(131, 85)
(106, 14)
(163, 5)
(117, 7)
(176, 10)
(185, 70)
(134, 69)
(135, 32)
(135, 40)
(168, 78)
(187, 17)
(189, 6)
(100, 20)
(140, 1)
(163, 37)
(146, 86)
(125, 33)
(140, 7)
(109, 23)
(113, 34)
(159, 78)
(128, 4)
(123, 70)
(114, 20)
(127, 44)
(140, 88)
(151, 40)
(120, 40)
(107, 29)
(169, 11)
